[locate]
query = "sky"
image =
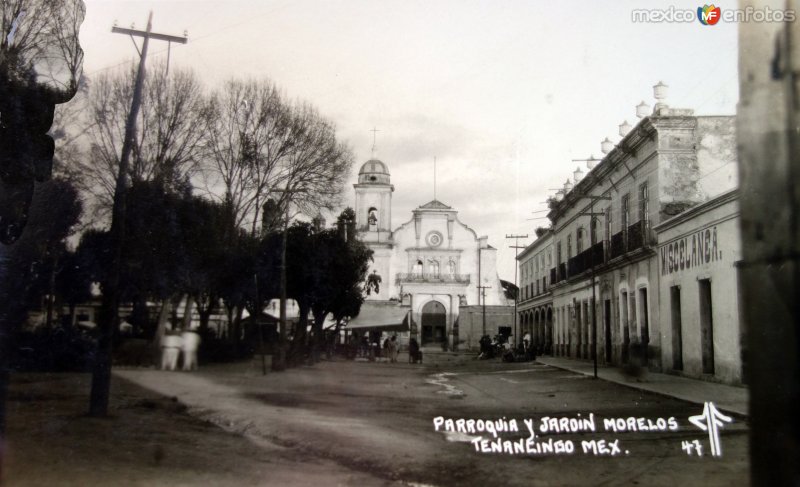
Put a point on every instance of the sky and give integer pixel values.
(503, 93)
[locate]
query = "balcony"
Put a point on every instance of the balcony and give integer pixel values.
(636, 236)
(618, 244)
(639, 235)
(583, 262)
(434, 278)
(599, 253)
(574, 266)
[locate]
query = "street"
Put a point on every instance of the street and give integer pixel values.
(377, 419)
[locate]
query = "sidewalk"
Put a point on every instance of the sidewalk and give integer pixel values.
(727, 398)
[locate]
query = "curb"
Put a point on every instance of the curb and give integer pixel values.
(631, 385)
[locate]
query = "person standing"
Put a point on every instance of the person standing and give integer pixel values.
(189, 345)
(170, 349)
(414, 355)
(394, 348)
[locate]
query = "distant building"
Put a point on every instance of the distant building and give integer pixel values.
(430, 267)
(535, 306)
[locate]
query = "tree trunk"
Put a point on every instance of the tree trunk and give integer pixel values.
(51, 291)
(187, 312)
(236, 331)
(205, 313)
(72, 314)
(299, 345)
(317, 338)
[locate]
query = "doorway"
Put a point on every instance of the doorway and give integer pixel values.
(607, 329)
(645, 322)
(677, 327)
(626, 333)
(434, 323)
(706, 326)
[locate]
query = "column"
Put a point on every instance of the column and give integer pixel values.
(452, 331)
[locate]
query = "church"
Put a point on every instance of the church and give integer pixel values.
(432, 277)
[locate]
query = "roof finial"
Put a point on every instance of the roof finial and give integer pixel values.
(374, 133)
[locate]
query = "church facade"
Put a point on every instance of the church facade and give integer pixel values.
(433, 266)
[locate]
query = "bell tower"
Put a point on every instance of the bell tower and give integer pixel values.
(374, 202)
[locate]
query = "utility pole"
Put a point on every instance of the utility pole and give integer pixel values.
(109, 322)
(592, 216)
(288, 193)
(483, 293)
(259, 327)
(516, 246)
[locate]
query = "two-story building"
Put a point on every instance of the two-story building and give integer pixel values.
(606, 256)
(535, 304)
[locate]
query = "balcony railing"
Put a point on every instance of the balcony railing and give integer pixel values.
(583, 262)
(574, 266)
(599, 253)
(432, 278)
(639, 235)
(636, 236)
(618, 244)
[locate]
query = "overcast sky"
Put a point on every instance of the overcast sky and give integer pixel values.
(503, 93)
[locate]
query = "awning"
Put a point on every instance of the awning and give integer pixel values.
(384, 316)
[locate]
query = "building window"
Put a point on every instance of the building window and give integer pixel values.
(579, 240)
(558, 252)
(593, 231)
(433, 268)
(372, 219)
(608, 223)
(417, 269)
(644, 203)
(569, 246)
(625, 211)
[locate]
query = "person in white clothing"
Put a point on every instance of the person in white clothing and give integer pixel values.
(191, 342)
(170, 350)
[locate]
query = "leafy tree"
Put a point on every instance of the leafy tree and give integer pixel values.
(326, 275)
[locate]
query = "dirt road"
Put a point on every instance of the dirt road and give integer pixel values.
(378, 419)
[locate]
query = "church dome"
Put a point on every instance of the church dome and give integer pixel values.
(373, 171)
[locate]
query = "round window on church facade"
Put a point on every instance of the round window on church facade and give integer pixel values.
(434, 239)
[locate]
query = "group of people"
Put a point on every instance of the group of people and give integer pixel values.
(175, 343)
(391, 348)
(369, 346)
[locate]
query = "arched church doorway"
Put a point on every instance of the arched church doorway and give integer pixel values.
(434, 323)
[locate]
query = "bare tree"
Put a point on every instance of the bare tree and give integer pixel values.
(247, 138)
(169, 131)
(314, 173)
(41, 37)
